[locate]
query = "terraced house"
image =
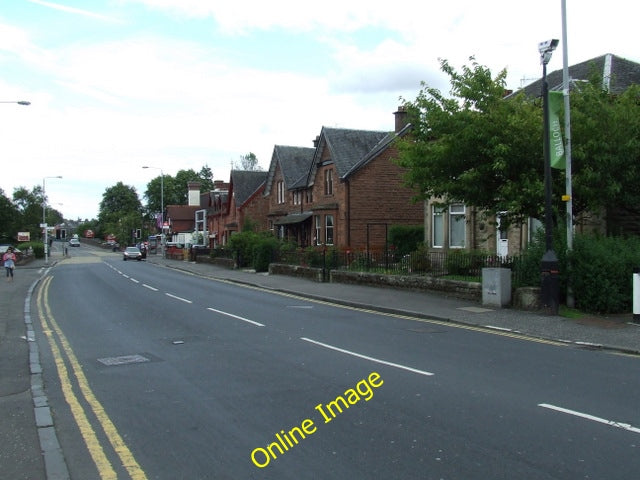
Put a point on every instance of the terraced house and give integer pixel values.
(345, 192)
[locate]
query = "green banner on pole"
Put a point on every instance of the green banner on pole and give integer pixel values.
(556, 102)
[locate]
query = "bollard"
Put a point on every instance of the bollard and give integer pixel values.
(636, 295)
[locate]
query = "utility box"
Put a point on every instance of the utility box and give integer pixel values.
(496, 287)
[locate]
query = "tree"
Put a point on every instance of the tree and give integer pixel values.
(9, 216)
(606, 148)
(29, 205)
(118, 202)
(248, 162)
(474, 146)
(175, 188)
(484, 150)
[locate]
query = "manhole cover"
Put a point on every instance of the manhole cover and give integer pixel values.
(123, 360)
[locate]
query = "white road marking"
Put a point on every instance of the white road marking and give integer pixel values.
(372, 359)
(236, 316)
(178, 298)
(134, 280)
(611, 423)
(149, 287)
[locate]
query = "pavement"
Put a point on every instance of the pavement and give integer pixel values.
(617, 332)
(29, 445)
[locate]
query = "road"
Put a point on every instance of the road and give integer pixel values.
(157, 374)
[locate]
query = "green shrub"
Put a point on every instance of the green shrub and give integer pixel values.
(406, 238)
(241, 244)
(465, 262)
(526, 267)
(38, 248)
(264, 250)
(420, 260)
(601, 272)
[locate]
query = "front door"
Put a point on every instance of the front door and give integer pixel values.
(502, 242)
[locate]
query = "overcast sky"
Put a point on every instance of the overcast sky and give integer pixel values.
(176, 84)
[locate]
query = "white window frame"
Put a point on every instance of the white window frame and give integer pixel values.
(437, 226)
(329, 230)
(457, 213)
(318, 230)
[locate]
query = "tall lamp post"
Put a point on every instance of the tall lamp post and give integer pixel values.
(161, 207)
(44, 219)
(549, 265)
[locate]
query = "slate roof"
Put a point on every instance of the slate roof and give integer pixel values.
(245, 183)
(620, 73)
(294, 163)
(346, 147)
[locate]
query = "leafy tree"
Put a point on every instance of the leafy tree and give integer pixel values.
(29, 204)
(175, 188)
(479, 148)
(248, 162)
(475, 147)
(206, 178)
(120, 210)
(8, 218)
(605, 148)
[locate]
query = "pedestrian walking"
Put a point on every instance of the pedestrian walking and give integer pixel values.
(9, 260)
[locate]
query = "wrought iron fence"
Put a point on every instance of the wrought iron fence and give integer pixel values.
(461, 264)
(455, 264)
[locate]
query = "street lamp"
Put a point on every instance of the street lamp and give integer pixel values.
(161, 207)
(44, 219)
(549, 265)
(19, 102)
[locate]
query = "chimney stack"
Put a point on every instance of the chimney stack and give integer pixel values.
(194, 194)
(402, 119)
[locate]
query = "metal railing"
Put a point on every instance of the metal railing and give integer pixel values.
(455, 264)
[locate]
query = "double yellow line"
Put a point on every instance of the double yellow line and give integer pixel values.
(61, 349)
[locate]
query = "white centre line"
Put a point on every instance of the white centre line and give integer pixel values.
(236, 316)
(134, 280)
(178, 298)
(611, 423)
(149, 287)
(372, 359)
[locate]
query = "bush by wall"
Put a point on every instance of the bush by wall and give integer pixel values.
(602, 272)
(406, 238)
(264, 250)
(38, 248)
(599, 268)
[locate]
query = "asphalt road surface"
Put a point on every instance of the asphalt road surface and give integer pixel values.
(157, 374)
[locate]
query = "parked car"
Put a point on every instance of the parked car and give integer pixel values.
(74, 242)
(132, 253)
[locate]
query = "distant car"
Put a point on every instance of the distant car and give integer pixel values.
(132, 253)
(74, 242)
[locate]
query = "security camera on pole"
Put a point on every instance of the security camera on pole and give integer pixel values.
(549, 267)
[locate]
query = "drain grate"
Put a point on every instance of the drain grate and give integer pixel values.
(123, 360)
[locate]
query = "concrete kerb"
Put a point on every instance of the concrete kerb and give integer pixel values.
(54, 461)
(409, 313)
